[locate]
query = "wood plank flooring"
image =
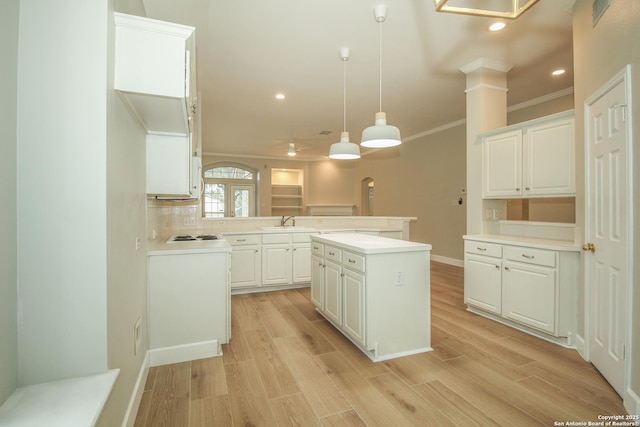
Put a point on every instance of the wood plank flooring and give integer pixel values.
(286, 366)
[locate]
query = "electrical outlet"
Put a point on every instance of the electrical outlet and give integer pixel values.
(136, 336)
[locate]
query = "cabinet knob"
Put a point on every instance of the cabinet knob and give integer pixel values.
(527, 188)
(498, 267)
(517, 189)
(507, 269)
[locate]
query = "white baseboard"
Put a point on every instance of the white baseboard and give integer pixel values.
(136, 395)
(183, 353)
(446, 260)
(631, 403)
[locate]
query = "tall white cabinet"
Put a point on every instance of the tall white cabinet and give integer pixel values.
(374, 290)
(155, 74)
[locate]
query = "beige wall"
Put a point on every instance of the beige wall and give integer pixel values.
(555, 105)
(423, 178)
(601, 52)
(8, 215)
(332, 181)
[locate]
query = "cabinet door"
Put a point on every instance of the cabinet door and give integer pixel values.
(333, 292)
(301, 263)
(529, 295)
(276, 264)
(354, 306)
(502, 165)
(168, 165)
(245, 266)
(317, 282)
(549, 159)
(483, 283)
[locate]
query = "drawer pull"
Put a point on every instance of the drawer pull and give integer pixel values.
(528, 256)
(242, 240)
(332, 253)
(352, 261)
(481, 249)
(315, 248)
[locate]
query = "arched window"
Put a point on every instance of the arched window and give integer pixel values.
(229, 190)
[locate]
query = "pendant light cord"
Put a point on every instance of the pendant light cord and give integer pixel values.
(344, 94)
(380, 63)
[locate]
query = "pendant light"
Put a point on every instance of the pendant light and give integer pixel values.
(380, 135)
(345, 149)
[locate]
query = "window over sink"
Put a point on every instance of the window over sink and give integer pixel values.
(229, 190)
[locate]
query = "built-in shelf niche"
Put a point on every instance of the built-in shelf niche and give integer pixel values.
(287, 195)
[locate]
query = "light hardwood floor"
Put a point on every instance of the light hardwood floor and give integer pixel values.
(286, 366)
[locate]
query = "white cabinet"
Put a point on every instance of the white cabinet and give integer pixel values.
(172, 172)
(246, 265)
(375, 291)
(276, 259)
(189, 305)
(530, 286)
(155, 72)
(270, 259)
(531, 159)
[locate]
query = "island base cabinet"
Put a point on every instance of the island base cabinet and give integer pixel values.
(381, 300)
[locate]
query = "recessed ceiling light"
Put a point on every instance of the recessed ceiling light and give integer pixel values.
(280, 96)
(558, 72)
(497, 26)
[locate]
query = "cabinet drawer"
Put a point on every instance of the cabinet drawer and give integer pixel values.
(276, 238)
(243, 239)
(300, 237)
(317, 249)
(333, 253)
(483, 248)
(530, 256)
(353, 261)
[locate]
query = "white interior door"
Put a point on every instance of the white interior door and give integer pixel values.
(242, 199)
(608, 213)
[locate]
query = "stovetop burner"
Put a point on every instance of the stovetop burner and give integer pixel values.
(189, 238)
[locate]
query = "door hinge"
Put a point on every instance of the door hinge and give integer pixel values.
(624, 352)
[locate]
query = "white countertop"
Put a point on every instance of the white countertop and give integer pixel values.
(532, 242)
(315, 230)
(367, 244)
(155, 247)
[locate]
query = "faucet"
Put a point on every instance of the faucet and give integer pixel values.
(284, 220)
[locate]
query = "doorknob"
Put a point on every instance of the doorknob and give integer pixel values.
(589, 247)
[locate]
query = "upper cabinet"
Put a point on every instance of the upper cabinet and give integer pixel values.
(155, 72)
(530, 159)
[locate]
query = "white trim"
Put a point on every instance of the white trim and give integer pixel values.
(486, 86)
(446, 260)
(622, 76)
(491, 64)
(580, 346)
(184, 353)
(436, 130)
(540, 100)
(631, 402)
(136, 395)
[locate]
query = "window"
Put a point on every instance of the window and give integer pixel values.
(229, 190)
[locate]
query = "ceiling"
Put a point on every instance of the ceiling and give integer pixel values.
(249, 50)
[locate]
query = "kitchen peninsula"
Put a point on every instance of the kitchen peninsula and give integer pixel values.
(374, 290)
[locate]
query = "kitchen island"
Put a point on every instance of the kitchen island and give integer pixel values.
(374, 290)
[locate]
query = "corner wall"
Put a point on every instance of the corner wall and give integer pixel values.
(9, 11)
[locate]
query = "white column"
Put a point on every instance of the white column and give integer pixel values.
(486, 110)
